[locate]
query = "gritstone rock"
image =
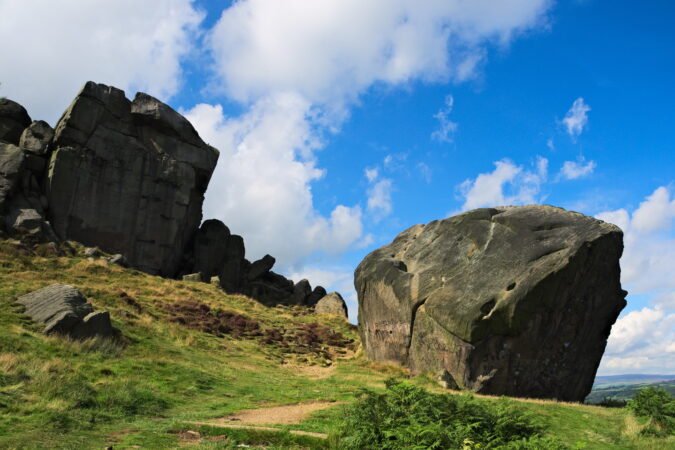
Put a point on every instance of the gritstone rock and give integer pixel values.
(128, 177)
(261, 267)
(64, 310)
(11, 164)
(193, 277)
(36, 137)
(514, 301)
(13, 120)
(332, 303)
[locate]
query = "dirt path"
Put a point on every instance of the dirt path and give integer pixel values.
(252, 419)
(276, 415)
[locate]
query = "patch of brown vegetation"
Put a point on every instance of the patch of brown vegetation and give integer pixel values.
(217, 322)
(130, 301)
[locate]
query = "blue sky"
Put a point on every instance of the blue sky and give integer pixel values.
(341, 123)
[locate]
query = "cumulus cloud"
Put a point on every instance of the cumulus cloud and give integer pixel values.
(571, 170)
(264, 195)
(508, 184)
(446, 127)
(642, 340)
(379, 199)
(576, 118)
(51, 48)
(647, 262)
(324, 55)
(330, 51)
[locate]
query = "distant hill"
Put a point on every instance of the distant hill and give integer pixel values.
(624, 387)
(614, 380)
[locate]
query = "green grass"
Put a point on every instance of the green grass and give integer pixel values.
(147, 387)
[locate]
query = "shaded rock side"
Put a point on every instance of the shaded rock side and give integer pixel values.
(128, 176)
(514, 301)
(13, 120)
(64, 310)
(332, 303)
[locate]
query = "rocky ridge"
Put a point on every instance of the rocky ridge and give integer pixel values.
(128, 177)
(514, 301)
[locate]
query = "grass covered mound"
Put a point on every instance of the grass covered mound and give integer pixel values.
(406, 416)
(188, 356)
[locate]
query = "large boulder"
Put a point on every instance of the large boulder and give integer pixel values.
(13, 120)
(514, 301)
(64, 310)
(332, 303)
(128, 177)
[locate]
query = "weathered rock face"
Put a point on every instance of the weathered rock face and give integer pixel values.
(513, 301)
(332, 303)
(13, 120)
(64, 310)
(128, 176)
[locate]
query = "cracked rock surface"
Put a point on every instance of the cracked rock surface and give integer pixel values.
(514, 301)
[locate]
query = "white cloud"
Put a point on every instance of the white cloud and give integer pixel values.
(379, 199)
(648, 260)
(643, 340)
(425, 171)
(656, 213)
(571, 170)
(576, 118)
(508, 184)
(371, 174)
(331, 51)
(550, 144)
(446, 127)
(261, 186)
(323, 56)
(51, 48)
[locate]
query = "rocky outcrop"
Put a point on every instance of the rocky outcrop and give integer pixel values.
(64, 310)
(332, 303)
(129, 177)
(218, 254)
(514, 301)
(13, 120)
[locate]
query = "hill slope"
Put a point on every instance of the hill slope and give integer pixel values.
(189, 354)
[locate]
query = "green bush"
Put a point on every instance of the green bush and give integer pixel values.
(407, 416)
(659, 406)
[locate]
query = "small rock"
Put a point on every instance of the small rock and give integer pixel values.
(92, 252)
(261, 267)
(215, 281)
(64, 310)
(193, 277)
(332, 303)
(36, 137)
(446, 380)
(119, 260)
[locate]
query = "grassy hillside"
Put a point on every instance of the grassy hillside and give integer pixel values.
(188, 356)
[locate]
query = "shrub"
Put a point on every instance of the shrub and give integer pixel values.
(659, 406)
(407, 416)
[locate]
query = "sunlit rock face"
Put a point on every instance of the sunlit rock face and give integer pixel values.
(514, 301)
